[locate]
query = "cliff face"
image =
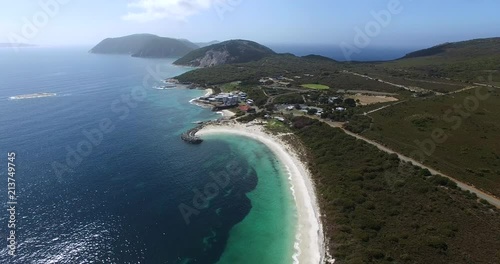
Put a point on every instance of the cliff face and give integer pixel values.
(232, 51)
(144, 45)
(213, 58)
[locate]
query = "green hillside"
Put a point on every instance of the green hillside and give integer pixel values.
(466, 61)
(227, 52)
(144, 45)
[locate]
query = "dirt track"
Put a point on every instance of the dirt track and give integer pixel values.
(481, 194)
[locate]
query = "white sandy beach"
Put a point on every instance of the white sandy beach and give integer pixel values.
(227, 113)
(309, 245)
(209, 92)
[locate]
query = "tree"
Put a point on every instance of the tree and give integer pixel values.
(350, 102)
(312, 111)
(270, 108)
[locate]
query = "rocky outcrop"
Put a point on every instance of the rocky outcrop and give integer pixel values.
(190, 135)
(213, 58)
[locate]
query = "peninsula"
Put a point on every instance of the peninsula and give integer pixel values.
(354, 127)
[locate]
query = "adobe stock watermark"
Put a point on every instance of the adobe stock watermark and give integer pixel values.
(222, 7)
(93, 137)
(455, 117)
(202, 197)
(31, 26)
(373, 28)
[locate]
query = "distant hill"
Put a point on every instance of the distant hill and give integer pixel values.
(227, 52)
(144, 45)
(190, 44)
(318, 57)
(468, 61)
(204, 44)
(460, 50)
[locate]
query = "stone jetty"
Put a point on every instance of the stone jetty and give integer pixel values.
(190, 135)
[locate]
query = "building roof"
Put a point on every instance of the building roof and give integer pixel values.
(244, 108)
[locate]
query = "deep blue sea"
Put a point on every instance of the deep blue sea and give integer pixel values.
(335, 52)
(103, 177)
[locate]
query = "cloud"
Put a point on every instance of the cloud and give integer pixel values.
(148, 10)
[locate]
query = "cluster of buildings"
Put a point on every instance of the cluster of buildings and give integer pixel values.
(304, 108)
(226, 100)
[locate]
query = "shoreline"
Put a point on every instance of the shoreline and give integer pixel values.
(309, 245)
(194, 101)
(209, 92)
(224, 113)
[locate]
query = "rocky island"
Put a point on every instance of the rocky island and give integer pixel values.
(145, 46)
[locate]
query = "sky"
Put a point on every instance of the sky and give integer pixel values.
(384, 23)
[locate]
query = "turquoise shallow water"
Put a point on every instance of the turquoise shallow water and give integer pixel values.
(121, 202)
(267, 233)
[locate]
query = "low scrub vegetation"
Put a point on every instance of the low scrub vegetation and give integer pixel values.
(381, 210)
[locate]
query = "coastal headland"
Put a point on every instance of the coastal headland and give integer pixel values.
(386, 163)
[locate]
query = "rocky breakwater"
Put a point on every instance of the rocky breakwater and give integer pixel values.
(190, 135)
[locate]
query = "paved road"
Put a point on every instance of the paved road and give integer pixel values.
(488, 197)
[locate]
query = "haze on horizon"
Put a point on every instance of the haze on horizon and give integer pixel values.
(418, 24)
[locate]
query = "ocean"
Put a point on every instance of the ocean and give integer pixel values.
(335, 52)
(103, 177)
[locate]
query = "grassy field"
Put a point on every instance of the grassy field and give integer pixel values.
(315, 86)
(380, 210)
(229, 87)
(275, 126)
(450, 133)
